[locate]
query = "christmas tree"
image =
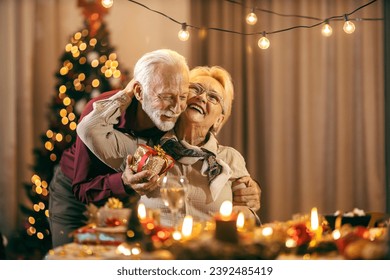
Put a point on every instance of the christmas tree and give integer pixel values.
(88, 67)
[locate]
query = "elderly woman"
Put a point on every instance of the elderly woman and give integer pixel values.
(213, 170)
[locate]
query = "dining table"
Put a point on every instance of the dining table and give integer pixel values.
(292, 239)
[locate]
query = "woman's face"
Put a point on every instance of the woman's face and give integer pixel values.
(205, 102)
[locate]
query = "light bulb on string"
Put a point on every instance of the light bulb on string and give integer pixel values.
(263, 42)
(326, 29)
(348, 27)
(183, 33)
(107, 3)
(251, 18)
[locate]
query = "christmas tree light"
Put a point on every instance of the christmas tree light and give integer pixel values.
(88, 67)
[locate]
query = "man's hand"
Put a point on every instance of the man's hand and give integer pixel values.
(138, 181)
(249, 196)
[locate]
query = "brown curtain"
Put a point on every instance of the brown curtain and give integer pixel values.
(308, 113)
(31, 36)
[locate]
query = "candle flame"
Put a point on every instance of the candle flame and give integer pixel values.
(141, 211)
(267, 231)
(186, 229)
(176, 235)
(226, 209)
(123, 249)
(240, 220)
(336, 234)
(290, 243)
(136, 250)
(314, 219)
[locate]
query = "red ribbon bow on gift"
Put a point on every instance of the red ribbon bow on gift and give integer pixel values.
(157, 151)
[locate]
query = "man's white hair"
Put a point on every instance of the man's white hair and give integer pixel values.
(149, 64)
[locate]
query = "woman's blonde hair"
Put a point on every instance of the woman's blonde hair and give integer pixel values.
(224, 78)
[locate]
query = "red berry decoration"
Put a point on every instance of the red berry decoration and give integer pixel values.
(300, 233)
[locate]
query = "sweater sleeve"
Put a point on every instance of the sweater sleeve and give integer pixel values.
(98, 133)
(93, 181)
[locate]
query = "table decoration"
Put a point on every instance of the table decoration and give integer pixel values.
(291, 239)
(113, 214)
(154, 236)
(146, 221)
(356, 217)
(137, 236)
(106, 225)
(226, 223)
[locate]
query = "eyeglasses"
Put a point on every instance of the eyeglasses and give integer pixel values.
(211, 95)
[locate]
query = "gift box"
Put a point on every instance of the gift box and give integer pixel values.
(91, 234)
(153, 159)
(112, 214)
(108, 217)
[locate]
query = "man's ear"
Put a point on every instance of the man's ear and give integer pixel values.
(138, 91)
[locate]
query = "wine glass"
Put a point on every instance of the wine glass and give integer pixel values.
(172, 189)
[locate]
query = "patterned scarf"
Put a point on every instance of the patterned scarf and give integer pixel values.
(176, 150)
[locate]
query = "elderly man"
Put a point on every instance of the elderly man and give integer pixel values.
(160, 74)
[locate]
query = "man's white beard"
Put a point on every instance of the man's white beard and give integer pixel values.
(155, 116)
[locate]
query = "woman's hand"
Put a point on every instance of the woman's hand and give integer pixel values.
(249, 196)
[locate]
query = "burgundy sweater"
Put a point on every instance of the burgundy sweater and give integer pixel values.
(94, 181)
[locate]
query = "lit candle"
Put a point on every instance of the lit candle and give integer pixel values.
(314, 218)
(141, 211)
(314, 224)
(225, 223)
(240, 221)
(146, 222)
(338, 222)
(226, 210)
(186, 229)
(336, 234)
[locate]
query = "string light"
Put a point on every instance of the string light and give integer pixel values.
(326, 29)
(251, 18)
(183, 33)
(107, 3)
(263, 42)
(348, 27)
